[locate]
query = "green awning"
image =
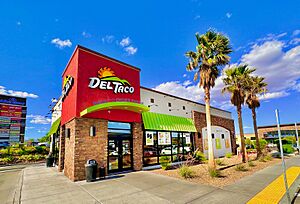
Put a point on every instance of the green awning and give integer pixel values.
(157, 121)
(130, 106)
(54, 127)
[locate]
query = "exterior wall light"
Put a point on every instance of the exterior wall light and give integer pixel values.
(92, 131)
(67, 132)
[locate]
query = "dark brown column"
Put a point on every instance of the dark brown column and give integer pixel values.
(137, 134)
(61, 156)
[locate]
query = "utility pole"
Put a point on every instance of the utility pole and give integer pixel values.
(282, 158)
(297, 137)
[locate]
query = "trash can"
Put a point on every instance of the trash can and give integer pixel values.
(91, 167)
(49, 161)
(102, 172)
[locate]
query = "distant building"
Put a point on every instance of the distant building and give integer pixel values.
(12, 119)
(250, 136)
(270, 132)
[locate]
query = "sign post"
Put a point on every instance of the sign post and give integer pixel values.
(297, 136)
(282, 158)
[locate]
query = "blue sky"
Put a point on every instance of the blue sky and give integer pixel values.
(38, 38)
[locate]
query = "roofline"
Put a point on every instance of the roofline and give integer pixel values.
(274, 126)
(142, 87)
(80, 47)
(14, 96)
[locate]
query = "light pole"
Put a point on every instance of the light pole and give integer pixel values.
(282, 158)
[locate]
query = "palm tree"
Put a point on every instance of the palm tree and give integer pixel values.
(211, 52)
(255, 86)
(235, 83)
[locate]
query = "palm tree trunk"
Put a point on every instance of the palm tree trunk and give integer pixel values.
(258, 150)
(239, 111)
(211, 158)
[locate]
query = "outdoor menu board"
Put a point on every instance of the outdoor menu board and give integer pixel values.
(187, 137)
(149, 138)
(164, 138)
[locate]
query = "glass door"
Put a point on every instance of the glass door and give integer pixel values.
(119, 154)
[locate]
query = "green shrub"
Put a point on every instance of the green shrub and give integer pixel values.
(7, 159)
(228, 155)
(287, 148)
(199, 156)
(220, 162)
(38, 157)
(268, 157)
(251, 164)
(29, 150)
(41, 150)
(29, 157)
(4, 152)
(165, 162)
(262, 143)
(262, 159)
(214, 173)
(186, 172)
(241, 167)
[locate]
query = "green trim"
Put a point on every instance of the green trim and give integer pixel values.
(54, 127)
(130, 106)
(157, 121)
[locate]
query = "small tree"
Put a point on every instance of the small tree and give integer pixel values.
(212, 51)
(254, 86)
(235, 83)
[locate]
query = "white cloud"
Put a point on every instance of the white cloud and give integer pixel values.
(86, 34)
(125, 42)
(108, 39)
(296, 32)
(130, 50)
(278, 64)
(39, 119)
(273, 60)
(197, 17)
(228, 15)
(187, 83)
(294, 41)
(185, 75)
(297, 87)
(29, 127)
(61, 43)
(272, 95)
(23, 94)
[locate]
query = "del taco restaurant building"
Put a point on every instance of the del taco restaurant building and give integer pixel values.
(104, 114)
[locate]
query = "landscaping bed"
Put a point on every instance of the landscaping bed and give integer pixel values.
(227, 175)
(22, 155)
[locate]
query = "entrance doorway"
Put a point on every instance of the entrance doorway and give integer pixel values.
(120, 155)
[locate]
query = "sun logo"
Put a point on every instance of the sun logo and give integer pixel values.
(105, 72)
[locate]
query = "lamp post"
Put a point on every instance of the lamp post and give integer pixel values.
(297, 136)
(282, 158)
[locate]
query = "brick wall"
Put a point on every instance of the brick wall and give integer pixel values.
(200, 122)
(81, 147)
(137, 134)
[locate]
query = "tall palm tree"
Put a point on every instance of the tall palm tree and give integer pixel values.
(255, 86)
(211, 52)
(235, 83)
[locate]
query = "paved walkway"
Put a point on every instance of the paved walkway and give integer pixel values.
(46, 185)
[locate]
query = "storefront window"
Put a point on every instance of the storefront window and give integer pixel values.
(118, 127)
(174, 145)
(150, 146)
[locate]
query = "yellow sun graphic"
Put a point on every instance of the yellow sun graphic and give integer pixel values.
(105, 72)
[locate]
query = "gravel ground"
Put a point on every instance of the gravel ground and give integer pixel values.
(228, 175)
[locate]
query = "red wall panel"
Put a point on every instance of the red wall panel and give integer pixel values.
(86, 64)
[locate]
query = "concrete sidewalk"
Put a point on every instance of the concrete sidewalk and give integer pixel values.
(46, 185)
